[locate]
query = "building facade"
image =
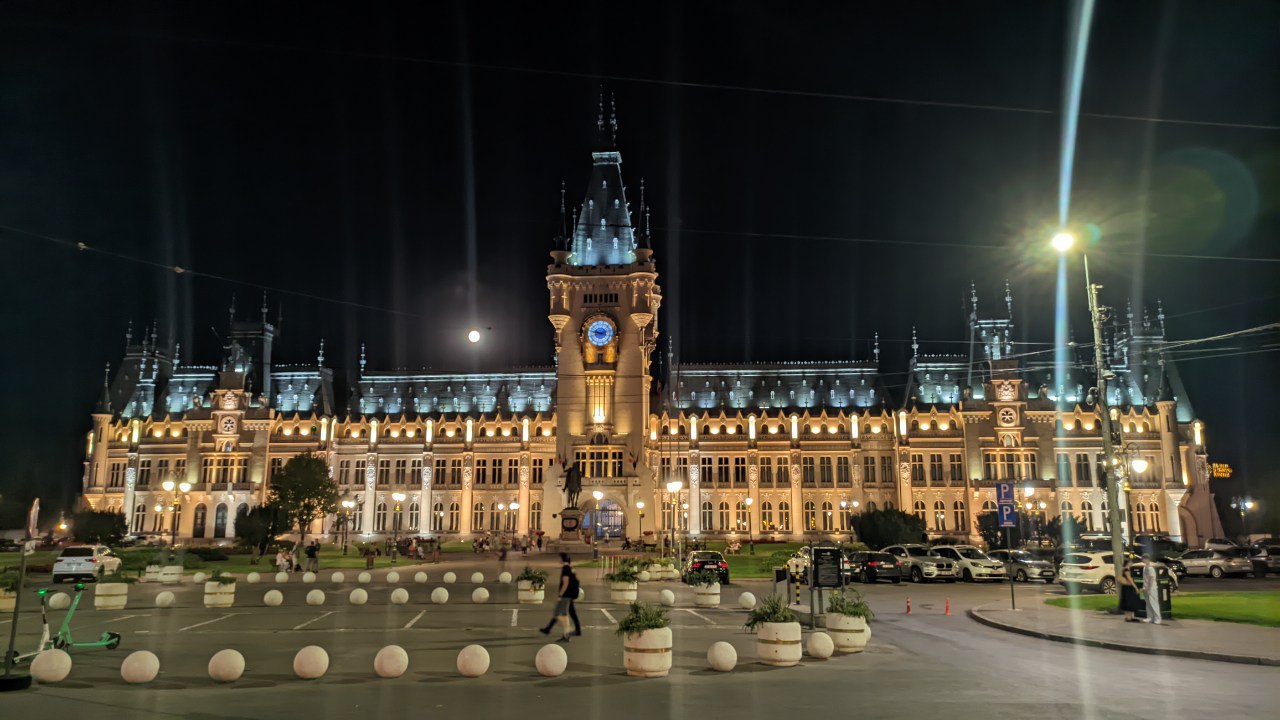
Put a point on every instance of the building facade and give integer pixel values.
(786, 450)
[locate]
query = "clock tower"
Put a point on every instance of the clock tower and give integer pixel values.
(604, 300)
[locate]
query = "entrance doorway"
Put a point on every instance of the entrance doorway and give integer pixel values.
(609, 522)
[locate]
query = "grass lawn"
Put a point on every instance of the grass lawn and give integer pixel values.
(11, 560)
(1255, 608)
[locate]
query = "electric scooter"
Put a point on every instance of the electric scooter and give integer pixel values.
(63, 640)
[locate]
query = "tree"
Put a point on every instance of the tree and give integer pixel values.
(304, 491)
(1062, 530)
(94, 526)
(878, 528)
(993, 535)
(258, 527)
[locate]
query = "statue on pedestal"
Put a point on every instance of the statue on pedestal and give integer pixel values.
(572, 485)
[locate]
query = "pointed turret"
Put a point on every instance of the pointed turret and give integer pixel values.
(104, 400)
(602, 233)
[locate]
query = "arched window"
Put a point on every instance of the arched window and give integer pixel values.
(939, 515)
(666, 515)
(766, 516)
(960, 516)
(437, 517)
(380, 517)
(707, 515)
(743, 521)
(988, 506)
(784, 516)
(139, 517)
(535, 516)
(1153, 523)
(871, 506)
(220, 521)
(496, 516)
(1086, 509)
(888, 505)
(1140, 517)
(810, 516)
(724, 517)
(1065, 507)
(415, 514)
(198, 521)
(357, 517)
(919, 509)
(828, 520)
(477, 517)
(455, 516)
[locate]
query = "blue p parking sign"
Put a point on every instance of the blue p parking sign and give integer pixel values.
(1004, 493)
(1008, 515)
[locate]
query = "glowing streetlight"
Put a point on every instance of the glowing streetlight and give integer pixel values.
(473, 336)
(398, 497)
(598, 496)
(1028, 491)
(167, 485)
(1063, 241)
(640, 507)
(1139, 465)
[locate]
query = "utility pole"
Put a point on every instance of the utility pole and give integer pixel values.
(1110, 466)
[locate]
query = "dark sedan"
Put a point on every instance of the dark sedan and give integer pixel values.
(871, 567)
(706, 560)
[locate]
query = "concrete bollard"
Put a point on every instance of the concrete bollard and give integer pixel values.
(420, 577)
(141, 666)
(337, 578)
(59, 601)
(450, 578)
(399, 596)
(551, 660)
(199, 578)
(359, 596)
(747, 601)
(253, 578)
(391, 662)
(164, 599)
(315, 597)
(477, 578)
(667, 598)
(311, 662)
(273, 598)
(480, 596)
(226, 666)
(722, 656)
(282, 577)
(51, 666)
(473, 661)
(439, 596)
(308, 577)
(821, 645)
(393, 577)
(364, 578)
(504, 577)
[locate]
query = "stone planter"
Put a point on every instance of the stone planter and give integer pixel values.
(217, 595)
(647, 654)
(171, 574)
(151, 574)
(706, 596)
(849, 633)
(657, 571)
(622, 592)
(672, 573)
(7, 599)
(779, 644)
(527, 595)
(110, 596)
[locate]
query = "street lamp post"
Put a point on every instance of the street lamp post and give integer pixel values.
(598, 496)
(1062, 242)
(395, 526)
(515, 510)
(640, 508)
(347, 505)
(673, 487)
(751, 530)
(175, 506)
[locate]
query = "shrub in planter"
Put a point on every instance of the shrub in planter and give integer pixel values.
(111, 592)
(847, 616)
(220, 590)
(531, 586)
(622, 588)
(8, 590)
(646, 641)
(777, 632)
(706, 588)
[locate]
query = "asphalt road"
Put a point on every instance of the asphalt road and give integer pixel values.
(923, 664)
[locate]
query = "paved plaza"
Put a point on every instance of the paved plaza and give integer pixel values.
(917, 664)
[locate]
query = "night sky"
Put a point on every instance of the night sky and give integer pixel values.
(816, 177)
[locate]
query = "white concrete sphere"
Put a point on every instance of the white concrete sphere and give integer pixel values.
(252, 578)
(821, 645)
(439, 596)
(226, 666)
(337, 577)
(164, 599)
(551, 660)
(311, 662)
(273, 598)
(308, 577)
(449, 578)
(393, 577)
(391, 662)
(315, 597)
(722, 656)
(420, 577)
(358, 596)
(667, 598)
(477, 577)
(747, 601)
(59, 601)
(198, 578)
(473, 661)
(364, 578)
(643, 576)
(504, 577)
(282, 577)
(141, 666)
(51, 666)
(399, 596)
(480, 595)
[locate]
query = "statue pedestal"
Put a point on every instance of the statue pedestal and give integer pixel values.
(570, 523)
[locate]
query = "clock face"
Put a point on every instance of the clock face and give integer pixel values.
(228, 425)
(600, 333)
(1008, 416)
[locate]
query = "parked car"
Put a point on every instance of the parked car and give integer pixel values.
(1092, 570)
(921, 563)
(1219, 544)
(1175, 565)
(972, 564)
(1265, 559)
(705, 560)
(804, 556)
(868, 567)
(1216, 563)
(1024, 566)
(91, 562)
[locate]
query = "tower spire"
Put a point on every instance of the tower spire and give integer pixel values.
(320, 355)
(104, 400)
(876, 348)
(128, 336)
(231, 311)
(1008, 298)
(363, 361)
(564, 228)
(915, 343)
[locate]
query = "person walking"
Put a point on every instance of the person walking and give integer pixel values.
(435, 551)
(568, 594)
(1151, 589)
(1129, 600)
(282, 561)
(312, 560)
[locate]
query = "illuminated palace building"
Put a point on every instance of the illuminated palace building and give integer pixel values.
(791, 449)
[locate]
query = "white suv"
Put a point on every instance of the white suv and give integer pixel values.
(972, 563)
(921, 563)
(1094, 570)
(85, 561)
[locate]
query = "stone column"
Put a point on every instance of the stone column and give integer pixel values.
(464, 505)
(522, 515)
(797, 496)
(370, 495)
(695, 494)
(130, 480)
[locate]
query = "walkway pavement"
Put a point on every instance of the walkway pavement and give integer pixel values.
(1201, 639)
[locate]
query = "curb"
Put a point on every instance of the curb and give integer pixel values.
(977, 616)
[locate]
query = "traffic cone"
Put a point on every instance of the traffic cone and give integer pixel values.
(948, 607)
(908, 604)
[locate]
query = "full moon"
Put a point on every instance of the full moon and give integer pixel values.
(474, 336)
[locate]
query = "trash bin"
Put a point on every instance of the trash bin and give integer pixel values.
(1166, 592)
